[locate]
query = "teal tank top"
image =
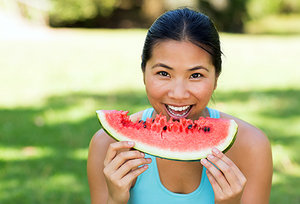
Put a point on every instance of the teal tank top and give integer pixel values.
(148, 188)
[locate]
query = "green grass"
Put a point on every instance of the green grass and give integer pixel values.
(51, 86)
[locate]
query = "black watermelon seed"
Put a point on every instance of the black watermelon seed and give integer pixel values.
(165, 128)
(145, 126)
(153, 121)
(144, 122)
(140, 121)
(205, 129)
(208, 129)
(190, 126)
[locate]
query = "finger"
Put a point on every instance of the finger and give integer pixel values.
(217, 174)
(114, 148)
(225, 169)
(230, 163)
(123, 157)
(129, 178)
(131, 165)
(217, 189)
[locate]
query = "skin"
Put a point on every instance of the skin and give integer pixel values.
(179, 74)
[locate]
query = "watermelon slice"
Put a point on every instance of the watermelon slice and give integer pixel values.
(177, 140)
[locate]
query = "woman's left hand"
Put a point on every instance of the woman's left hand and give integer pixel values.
(227, 180)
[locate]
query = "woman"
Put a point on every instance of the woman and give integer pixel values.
(181, 63)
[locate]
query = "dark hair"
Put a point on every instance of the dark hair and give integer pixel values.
(184, 25)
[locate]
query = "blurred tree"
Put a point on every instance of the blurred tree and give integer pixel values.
(228, 15)
(70, 11)
(258, 9)
(105, 13)
(232, 15)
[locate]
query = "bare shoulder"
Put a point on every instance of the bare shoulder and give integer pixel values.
(95, 164)
(136, 116)
(249, 136)
(252, 154)
(100, 140)
(252, 147)
(97, 152)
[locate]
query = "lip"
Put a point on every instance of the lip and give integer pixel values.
(176, 117)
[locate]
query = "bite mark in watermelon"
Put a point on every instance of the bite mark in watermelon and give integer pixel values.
(178, 140)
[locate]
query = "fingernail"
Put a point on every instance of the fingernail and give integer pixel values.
(204, 161)
(131, 143)
(210, 156)
(142, 154)
(215, 150)
(149, 160)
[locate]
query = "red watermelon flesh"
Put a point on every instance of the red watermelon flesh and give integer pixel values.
(179, 140)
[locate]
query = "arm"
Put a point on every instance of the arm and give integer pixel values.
(258, 170)
(95, 165)
(112, 168)
(244, 174)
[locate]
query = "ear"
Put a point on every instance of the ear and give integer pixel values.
(216, 82)
(143, 71)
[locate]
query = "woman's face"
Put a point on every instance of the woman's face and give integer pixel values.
(180, 79)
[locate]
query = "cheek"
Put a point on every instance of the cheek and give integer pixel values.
(204, 91)
(154, 88)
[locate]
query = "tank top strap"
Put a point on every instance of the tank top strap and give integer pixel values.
(147, 113)
(213, 113)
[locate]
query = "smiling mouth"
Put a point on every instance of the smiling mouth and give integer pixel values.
(178, 112)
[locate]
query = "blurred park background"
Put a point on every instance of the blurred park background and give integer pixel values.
(60, 60)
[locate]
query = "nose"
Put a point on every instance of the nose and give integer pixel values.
(178, 90)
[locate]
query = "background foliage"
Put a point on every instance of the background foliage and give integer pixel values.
(70, 11)
(229, 15)
(234, 15)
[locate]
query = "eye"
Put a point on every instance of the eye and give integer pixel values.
(196, 76)
(163, 73)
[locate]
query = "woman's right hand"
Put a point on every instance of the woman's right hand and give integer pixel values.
(121, 167)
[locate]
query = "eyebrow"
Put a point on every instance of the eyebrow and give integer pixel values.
(168, 67)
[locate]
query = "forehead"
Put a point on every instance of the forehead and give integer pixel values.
(180, 53)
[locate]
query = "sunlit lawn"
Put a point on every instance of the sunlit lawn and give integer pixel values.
(51, 86)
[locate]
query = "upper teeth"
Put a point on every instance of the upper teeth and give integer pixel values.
(182, 108)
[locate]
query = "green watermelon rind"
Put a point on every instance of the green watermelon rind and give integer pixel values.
(178, 156)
